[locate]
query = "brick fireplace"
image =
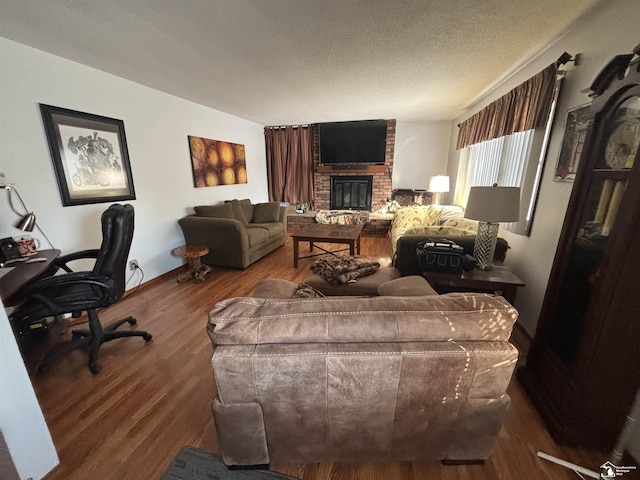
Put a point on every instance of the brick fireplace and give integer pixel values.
(381, 174)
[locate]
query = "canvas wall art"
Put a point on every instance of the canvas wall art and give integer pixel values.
(215, 162)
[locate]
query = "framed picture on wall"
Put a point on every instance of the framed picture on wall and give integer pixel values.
(90, 156)
(216, 162)
(575, 132)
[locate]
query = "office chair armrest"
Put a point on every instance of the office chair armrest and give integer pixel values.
(73, 278)
(61, 262)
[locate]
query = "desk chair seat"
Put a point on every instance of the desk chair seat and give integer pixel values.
(76, 292)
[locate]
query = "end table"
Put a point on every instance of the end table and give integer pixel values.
(197, 270)
(499, 280)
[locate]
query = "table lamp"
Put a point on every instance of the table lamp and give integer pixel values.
(26, 221)
(438, 185)
(490, 206)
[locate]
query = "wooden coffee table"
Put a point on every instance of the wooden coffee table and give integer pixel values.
(327, 233)
(499, 280)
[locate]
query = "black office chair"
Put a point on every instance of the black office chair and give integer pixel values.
(75, 292)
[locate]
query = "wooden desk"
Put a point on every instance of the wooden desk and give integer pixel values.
(23, 273)
(327, 233)
(499, 280)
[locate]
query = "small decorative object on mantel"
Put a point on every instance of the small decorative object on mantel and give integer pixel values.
(215, 162)
(90, 156)
(302, 208)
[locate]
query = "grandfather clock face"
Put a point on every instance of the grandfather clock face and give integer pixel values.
(624, 136)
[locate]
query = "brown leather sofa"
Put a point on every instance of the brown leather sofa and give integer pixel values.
(386, 378)
(237, 232)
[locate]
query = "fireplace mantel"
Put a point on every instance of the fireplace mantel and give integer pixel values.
(358, 169)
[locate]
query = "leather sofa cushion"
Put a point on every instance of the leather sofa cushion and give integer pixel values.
(406, 286)
(454, 316)
(216, 211)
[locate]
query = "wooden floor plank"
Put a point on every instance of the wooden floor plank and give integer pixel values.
(151, 399)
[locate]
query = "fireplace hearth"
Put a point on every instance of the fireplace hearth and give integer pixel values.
(351, 192)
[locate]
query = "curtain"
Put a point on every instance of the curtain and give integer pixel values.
(289, 164)
(526, 107)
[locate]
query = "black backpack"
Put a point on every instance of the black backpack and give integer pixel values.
(441, 255)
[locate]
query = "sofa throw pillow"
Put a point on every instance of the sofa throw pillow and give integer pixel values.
(463, 224)
(238, 211)
(216, 211)
(268, 212)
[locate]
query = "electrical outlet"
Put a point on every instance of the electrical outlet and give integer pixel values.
(133, 264)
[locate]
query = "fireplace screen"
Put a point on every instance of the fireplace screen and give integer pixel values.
(352, 192)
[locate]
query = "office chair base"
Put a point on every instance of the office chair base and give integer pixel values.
(95, 336)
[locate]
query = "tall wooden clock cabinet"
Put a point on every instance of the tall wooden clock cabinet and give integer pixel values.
(583, 368)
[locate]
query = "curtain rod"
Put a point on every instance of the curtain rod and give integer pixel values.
(278, 127)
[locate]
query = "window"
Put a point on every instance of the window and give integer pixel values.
(514, 160)
(501, 160)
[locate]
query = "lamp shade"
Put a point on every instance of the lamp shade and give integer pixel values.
(26, 223)
(493, 204)
(439, 183)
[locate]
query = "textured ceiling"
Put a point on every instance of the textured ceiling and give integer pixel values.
(279, 62)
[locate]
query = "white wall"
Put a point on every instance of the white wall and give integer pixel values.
(611, 30)
(33, 454)
(156, 126)
(421, 151)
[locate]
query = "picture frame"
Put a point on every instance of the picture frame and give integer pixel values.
(90, 156)
(217, 162)
(575, 132)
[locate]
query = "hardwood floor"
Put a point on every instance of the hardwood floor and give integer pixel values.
(151, 399)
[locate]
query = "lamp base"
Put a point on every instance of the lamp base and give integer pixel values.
(485, 245)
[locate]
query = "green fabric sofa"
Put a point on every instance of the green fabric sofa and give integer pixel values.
(237, 232)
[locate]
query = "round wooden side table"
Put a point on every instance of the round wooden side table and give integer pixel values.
(197, 270)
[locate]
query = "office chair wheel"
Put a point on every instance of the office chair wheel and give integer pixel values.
(132, 321)
(147, 337)
(94, 367)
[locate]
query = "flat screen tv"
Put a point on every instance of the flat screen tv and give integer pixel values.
(359, 142)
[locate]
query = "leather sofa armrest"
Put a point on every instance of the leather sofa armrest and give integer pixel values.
(241, 433)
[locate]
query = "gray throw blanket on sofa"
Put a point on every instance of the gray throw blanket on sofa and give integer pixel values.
(343, 269)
